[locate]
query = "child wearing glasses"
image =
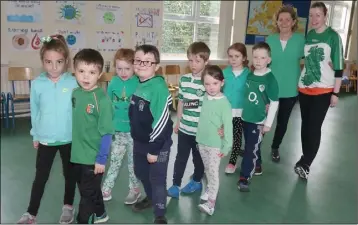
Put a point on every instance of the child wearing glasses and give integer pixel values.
(120, 89)
(151, 130)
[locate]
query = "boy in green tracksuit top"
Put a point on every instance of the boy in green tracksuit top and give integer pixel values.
(261, 89)
(92, 132)
(120, 89)
(151, 130)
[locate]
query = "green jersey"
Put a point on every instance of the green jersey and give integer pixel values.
(323, 55)
(92, 118)
(260, 91)
(120, 92)
(191, 93)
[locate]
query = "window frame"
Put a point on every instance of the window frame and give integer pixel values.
(347, 22)
(196, 18)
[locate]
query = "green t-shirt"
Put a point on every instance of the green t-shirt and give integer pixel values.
(120, 92)
(260, 90)
(216, 112)
(92, 118)
(321, 50)
(285, 63)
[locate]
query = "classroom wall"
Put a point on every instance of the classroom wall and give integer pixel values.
(86, 29)
(128, 8)
(240, 21)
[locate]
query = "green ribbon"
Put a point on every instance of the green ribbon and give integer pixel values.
(46, 39)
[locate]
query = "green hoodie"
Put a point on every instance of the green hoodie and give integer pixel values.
(120, 91)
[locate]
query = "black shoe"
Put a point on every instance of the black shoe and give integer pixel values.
(241, 152)
(160, 220)
(142, 205)
(275, 155)
(258, 171)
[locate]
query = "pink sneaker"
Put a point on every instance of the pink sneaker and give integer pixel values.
(106, 195)
(230, 168)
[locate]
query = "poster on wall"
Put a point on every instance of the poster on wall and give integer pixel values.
(146, 37)
(260, 20)
(25, 39)
(24, 11)
(147, 17)
(109, 41)
(75, 38)
(109, 14)
(70, 11)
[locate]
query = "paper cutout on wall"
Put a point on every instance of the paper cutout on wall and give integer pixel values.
(146, 37)
(109, 14)
(24, 11)
(109, 41)
(70, 11)
(148, 17)
(25, 39)
(75, 38)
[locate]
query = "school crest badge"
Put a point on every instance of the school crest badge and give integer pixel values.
(89, 108)
(262, 87)
(199, 93)
(141, 105)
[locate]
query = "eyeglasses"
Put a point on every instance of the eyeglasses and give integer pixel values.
(144, 63)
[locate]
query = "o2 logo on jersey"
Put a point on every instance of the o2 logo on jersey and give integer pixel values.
(253, 98)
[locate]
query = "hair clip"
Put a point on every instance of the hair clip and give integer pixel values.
(46, 39)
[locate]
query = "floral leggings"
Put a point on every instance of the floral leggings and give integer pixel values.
(121, 144)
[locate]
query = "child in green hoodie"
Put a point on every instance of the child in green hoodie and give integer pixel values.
(235, 78)
(120, 89)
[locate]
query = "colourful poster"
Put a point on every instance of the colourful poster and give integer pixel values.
(146, 37)
(25, 39)
(109, 14)
(148, 17)
(75, 38)
(109, 41)
(24, 11)
(70, 11)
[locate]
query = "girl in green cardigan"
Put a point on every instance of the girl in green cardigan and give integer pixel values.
(286, 52)
(215, 113)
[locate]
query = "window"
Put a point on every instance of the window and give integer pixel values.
(339, 15)
(187, 21)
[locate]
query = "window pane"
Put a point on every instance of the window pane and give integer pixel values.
(178, 7)
(209, 33)
(328, 12)
(210, 8)
(339, 17)
(177, 36)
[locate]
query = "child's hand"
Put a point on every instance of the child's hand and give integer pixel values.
(176, 128)
(98, 168)
(266, 129)
(36, 144)
(221, 155)
(221, 131)
(267, 108)
(152, 158)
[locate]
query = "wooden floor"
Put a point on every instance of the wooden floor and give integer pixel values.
(278, 196)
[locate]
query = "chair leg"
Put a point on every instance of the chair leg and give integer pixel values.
(7, 111)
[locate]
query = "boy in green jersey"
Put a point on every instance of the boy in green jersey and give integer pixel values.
(92, 132)
(261, 89)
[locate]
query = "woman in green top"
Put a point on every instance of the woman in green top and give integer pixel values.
(287, 48)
